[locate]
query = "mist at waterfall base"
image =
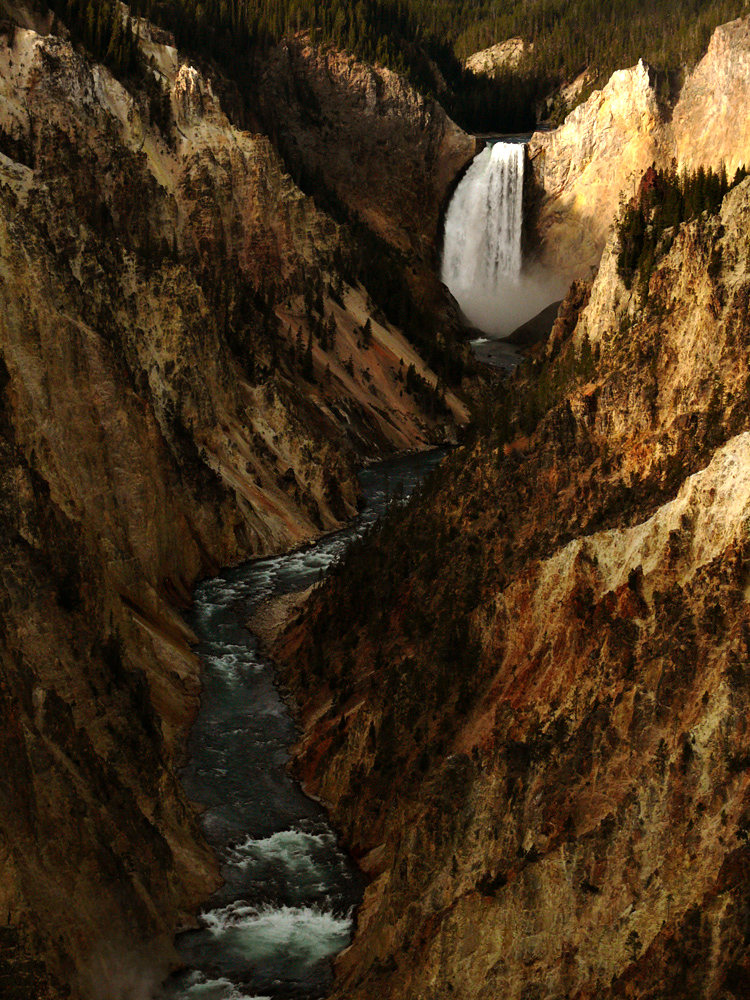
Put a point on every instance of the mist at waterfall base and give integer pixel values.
(290, 892)
(482, 262)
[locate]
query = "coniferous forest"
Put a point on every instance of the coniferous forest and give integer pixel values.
(426, 40)
(647, 227)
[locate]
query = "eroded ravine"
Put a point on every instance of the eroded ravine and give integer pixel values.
(290, 892)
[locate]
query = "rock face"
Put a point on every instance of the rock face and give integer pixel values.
(709, 127)
(169, 402)
(503, 55)
(535, 739)
(386, 154)
(582, 169)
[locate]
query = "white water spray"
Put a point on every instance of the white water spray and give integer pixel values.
(482, 244)
(296, 937)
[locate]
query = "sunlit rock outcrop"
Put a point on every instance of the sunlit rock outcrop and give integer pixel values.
(710, 124)
(584, 168)
(503, 55)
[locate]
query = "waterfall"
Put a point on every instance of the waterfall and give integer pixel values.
(482, 245)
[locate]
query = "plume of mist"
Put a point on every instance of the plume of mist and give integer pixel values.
(511, 302)
(482, 262)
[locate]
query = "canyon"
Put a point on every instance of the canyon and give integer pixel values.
(185, 383)
(524, 700)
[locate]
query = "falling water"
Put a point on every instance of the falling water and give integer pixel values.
(482, 264)
(482, 248)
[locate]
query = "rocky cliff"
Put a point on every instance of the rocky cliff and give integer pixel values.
(581, 170)
(379, 150)
(709, 129)
(185, 380)
(535, 739)
(387, 153)
(503, 55)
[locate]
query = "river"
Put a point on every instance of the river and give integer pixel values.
(290, 892)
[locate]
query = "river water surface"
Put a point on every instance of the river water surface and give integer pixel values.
(290, 893)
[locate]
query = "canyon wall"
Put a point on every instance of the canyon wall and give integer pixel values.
(709, 126)
(582, 170)
(535, 738)
(185, 381)
(370, 145)
(364, 134)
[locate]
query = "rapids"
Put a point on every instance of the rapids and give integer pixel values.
(290, 892)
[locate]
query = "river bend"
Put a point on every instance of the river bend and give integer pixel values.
(290, 892)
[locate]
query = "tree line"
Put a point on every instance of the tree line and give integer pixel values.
(648, 223)
(427, 41)
(111, 35)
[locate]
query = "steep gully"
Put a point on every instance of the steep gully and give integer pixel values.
(286, 906)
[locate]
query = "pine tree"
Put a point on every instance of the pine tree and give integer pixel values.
(307, 361)
(367, 333)
(332, 330)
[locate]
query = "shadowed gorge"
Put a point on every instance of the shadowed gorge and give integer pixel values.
(289, 895)
(190, 377)
(517, 701)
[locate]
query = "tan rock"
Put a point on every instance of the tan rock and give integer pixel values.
(580, 829)
(388, 153)
(584, 168)
(502, 55)
(710, 125)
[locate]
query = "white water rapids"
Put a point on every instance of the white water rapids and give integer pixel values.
(287, 903)
(482, 261)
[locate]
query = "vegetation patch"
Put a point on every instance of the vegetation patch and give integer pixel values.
(427, 41)
(648, 224)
